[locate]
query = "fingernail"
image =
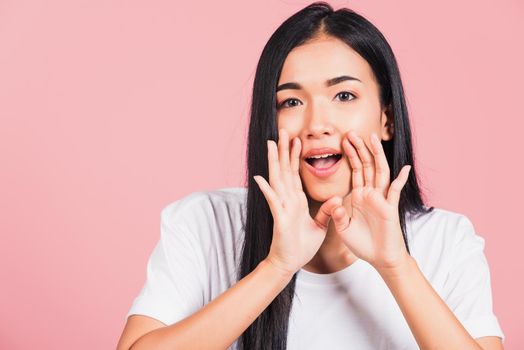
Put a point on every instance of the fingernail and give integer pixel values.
(374, 137)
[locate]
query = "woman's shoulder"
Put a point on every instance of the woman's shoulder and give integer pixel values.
(198, 207)
(190, 201)
(441, 232)
(438, 220)
(441, 238)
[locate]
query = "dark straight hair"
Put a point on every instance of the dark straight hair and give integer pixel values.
(269, 330)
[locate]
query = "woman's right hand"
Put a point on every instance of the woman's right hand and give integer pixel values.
(296, 235)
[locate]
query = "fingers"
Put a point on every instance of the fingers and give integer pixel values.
(295, 154)
(274, 168)
(284, 178)
(271, 197)
(368, 168)
(283, 145)
(288, 178)
(381, 164)
(295, 163)
(357, 178)
(287, 169)
(396, 186)
(324, 212)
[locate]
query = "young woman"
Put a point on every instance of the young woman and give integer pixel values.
(336, 249)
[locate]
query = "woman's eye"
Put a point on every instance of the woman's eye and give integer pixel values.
(346, 93)
(284, 103)
(288, 103)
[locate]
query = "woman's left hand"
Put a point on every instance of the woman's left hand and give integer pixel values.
(372, 232)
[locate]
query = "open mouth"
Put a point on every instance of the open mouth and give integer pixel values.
(324, 162)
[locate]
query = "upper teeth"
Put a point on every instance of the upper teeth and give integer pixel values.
(322, 156)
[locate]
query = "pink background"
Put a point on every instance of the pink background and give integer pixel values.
(110, 110)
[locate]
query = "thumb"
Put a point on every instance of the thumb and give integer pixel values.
(324, 212)
(341, 219)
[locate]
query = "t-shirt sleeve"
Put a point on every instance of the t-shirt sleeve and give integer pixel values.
(468, 285)
(175, 275)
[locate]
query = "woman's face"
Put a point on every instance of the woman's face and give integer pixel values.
(321, 115)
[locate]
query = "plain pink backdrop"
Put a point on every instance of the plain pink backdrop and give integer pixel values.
(110, 110)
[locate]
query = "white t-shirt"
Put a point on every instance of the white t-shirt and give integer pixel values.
(199, 249)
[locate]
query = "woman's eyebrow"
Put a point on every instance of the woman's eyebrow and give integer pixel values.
(329, 82)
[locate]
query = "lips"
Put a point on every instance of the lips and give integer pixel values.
(326, 166)
(320, 151)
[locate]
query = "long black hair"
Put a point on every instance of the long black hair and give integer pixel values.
(269, 330)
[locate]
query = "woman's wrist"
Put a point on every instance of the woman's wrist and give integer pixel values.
(277, 269)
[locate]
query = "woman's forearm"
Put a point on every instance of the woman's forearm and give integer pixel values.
(431, 321)
(220, 322)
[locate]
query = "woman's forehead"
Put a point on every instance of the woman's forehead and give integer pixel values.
(322, 59)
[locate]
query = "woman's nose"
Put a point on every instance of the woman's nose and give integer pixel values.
(318, 122)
